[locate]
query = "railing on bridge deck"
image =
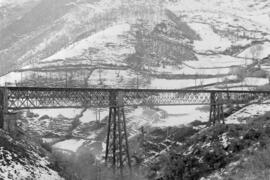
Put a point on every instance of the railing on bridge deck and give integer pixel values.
(34, 98)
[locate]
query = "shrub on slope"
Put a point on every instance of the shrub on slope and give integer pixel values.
(252, 166)
(20, 159)
(210, 150)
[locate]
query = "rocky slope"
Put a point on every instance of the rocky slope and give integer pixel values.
(219, 152)
(23, 159)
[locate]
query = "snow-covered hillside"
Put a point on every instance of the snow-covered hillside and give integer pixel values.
(15, 2)
(162, 44)
(220, 25)
(21, 159)
(227, 36)
(185, 43)
(110, 48)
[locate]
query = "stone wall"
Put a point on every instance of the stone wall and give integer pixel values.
(10, 123)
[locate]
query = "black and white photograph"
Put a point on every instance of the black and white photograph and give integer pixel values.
(134, 89)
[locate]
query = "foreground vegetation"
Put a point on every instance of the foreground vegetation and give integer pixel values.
(233, 151)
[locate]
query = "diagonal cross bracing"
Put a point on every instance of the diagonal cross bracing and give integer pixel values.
(36, 97)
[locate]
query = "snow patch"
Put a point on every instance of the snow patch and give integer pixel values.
(257, 51)
(207, 35)
(70, 145)
(54, 113)
(247, 113)
(98, 40)
(93, 115)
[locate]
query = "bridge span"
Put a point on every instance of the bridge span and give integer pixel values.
(18, 98)
(117, 151)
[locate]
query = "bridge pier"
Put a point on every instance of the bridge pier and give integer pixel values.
(216, 114)
(117, 148)
(216, 109)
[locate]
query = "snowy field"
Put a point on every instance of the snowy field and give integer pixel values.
(54, 113)
(247, 9)
(99, 42)
(249, 83)
(13, 78)
(206, 65)
(94, 115)
(256, 51)
(247, 113)
(70, 145)
(218, 43)
(184, 83)
(182, 115)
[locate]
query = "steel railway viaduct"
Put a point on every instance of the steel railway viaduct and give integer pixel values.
(117, 150)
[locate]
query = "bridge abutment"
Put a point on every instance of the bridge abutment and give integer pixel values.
(10, 123)
(8, 120)
(1, 119)
(3, 106)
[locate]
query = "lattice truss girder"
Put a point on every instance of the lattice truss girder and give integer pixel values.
(24, 98)
(240, 97)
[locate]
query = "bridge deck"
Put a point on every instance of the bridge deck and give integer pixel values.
(16, 98)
